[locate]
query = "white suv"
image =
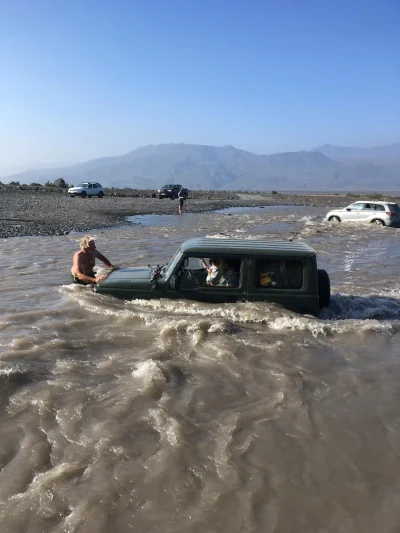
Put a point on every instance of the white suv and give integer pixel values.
(87, 189)
(370, 211)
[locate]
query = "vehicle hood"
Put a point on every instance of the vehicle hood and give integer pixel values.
(126, 277)
(73, 189)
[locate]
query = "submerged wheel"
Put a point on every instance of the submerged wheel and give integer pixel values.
(101, 194)
(324, 288)
(334, 219)
(378, 222)
(83, 194)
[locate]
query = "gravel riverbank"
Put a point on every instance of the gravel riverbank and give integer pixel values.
(23, 212)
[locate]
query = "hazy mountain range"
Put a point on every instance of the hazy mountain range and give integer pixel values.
(327, 167)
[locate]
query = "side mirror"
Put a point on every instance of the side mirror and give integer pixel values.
(348, 209)
(173, 282)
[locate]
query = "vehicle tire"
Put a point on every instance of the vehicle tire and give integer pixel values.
(378, 222)
(83, 194)
(101, 194)
(324, 288)
(334, 219)
(172, 196)
(72, 195)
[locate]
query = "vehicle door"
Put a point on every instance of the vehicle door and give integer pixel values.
(377, 212)
(367, 212)
(192, 281)
(353, 212)
(288, 281)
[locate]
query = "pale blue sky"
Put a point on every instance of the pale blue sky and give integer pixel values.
(86, 78)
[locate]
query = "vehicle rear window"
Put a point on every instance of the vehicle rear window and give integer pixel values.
(279, 274)
(394, 207)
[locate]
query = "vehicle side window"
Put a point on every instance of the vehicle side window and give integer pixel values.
(221, 272)
(279, 273)
(94, 186)
(355, 207)
(380, 207)
(89, 186)
(191, 273)
(367, 206)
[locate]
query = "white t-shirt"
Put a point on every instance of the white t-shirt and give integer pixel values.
(215, 276)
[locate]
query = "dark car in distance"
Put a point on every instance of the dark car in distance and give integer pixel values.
(171, 191)
(275, 271)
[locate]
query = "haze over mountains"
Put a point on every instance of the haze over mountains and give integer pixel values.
(329, 168)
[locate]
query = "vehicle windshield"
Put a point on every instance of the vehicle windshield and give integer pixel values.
(394, 207)
(167, 187)
(171, 265)
(84, 184)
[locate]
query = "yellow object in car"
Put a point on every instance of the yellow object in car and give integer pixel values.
(265, 279)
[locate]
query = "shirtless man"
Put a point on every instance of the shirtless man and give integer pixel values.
(84, 260)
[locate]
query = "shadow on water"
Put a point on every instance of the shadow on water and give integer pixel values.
(375, 307)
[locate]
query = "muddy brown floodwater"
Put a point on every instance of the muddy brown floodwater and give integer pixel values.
(188, 417)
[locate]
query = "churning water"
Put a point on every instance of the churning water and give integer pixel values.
(187, 417)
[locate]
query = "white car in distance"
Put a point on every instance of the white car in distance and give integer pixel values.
(369, 211)
(87, 189)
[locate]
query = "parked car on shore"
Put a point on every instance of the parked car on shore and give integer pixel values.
(86, 189)
(171, 191)
(276, 271)
(369, 211)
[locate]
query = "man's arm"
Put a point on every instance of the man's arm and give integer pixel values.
(103, 258)
(205, 265)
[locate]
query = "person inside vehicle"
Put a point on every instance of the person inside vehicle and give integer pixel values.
(232, 274)
(84, 261)
(181, 197)
(215, 274)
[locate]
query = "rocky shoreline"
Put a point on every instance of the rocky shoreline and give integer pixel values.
(28, 212)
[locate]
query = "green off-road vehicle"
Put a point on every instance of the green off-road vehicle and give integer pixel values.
(275, 271)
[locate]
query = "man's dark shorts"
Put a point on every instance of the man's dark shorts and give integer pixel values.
(75, 279)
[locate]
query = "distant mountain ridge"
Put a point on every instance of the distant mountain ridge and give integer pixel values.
(229, 168)
(386, 154)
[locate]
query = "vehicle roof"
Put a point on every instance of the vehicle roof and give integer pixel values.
(373, 202)
(206, 245)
